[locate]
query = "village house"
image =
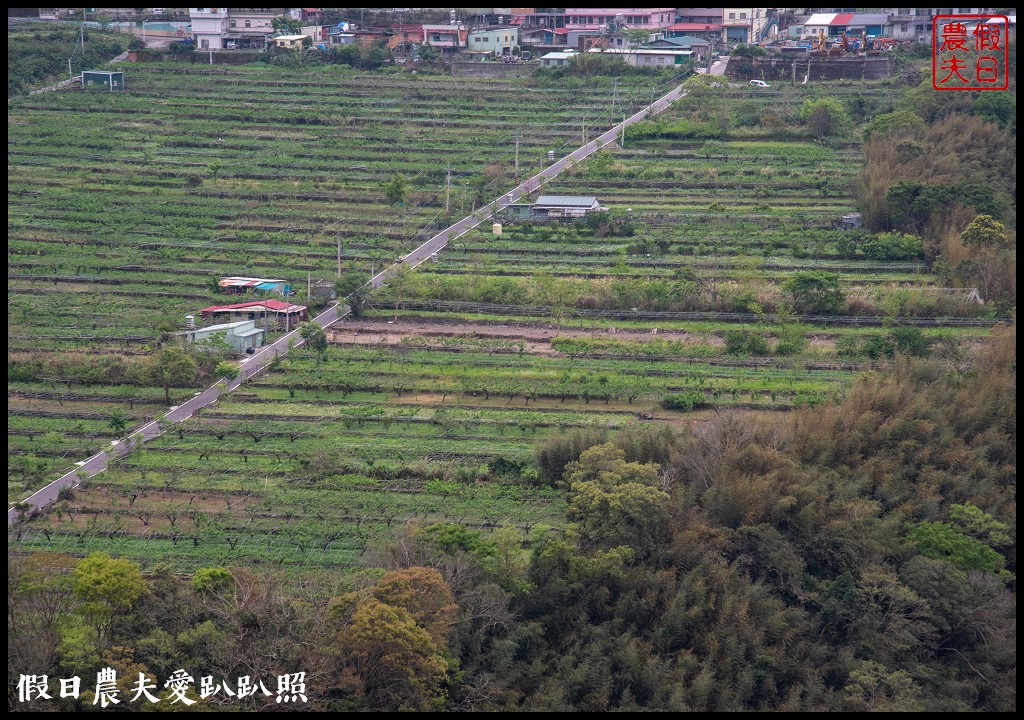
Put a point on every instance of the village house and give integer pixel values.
(233, 28)
(447, 38)
(493, 40)
(286, 316)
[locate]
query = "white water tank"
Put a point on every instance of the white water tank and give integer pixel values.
(190, 322)
(496, 228)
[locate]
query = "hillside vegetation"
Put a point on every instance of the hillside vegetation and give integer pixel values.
(856, 557)
(37, 54)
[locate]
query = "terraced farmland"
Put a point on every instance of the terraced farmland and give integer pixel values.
(124, 207)
(731, 217)
(427, 407)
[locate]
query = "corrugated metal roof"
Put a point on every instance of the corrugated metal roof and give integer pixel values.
(276, 305)
(565, 201)
(842, 19)
(692, 27)
(250, 333)
(683, 40)
(821, 19)
(249, 282)
(869, 19)
(222, 326)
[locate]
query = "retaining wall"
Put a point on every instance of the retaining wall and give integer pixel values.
(780, 69)
(493, 70)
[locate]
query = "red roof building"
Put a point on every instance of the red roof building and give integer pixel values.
(286, 315)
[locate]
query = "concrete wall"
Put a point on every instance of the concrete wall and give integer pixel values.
(493, 69)
(201, 57)
(780, 69)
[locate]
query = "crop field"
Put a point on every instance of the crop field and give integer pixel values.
(732, 216)
(123, 208)
(427, 407)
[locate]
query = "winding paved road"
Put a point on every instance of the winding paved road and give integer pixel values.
(258, 362)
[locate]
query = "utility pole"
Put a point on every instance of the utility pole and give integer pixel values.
(517, 159)
(448, 185)
(622, 144)
(309, 285)
(615, 97)
(584, 129)
(338, 235)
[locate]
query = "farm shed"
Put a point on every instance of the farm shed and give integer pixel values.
(556, 59)
(286, 316)
(564, 206)
(323, 289)
(240, 335)
(240, 285)
(649, 57)
(850, 221)
(103, 78)
(520, 211)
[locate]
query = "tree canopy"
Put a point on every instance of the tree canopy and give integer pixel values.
(106, 587)
(815, 291)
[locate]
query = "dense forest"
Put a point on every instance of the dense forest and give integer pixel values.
(859, 556)
(934, 164)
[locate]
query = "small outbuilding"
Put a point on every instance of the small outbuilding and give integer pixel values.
(519, 211)
(240, 285)
(556, 59)
(564, 206)
(850, 221)
(242, 335)
(103, 78)
(289, 41)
